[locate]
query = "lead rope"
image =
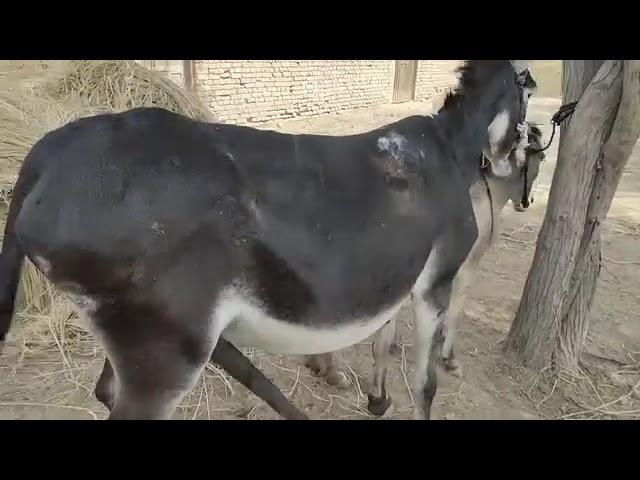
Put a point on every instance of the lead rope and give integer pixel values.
(525, 196)
(560, 116)
(486, 184)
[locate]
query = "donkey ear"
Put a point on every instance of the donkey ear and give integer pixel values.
(520, 65)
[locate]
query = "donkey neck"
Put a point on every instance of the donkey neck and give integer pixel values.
(465, 126)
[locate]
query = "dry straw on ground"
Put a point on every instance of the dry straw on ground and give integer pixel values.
(37, 97)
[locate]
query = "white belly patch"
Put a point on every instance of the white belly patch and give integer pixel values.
(246, 325)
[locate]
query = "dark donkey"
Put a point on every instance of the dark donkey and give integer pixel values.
(489, 195)
(182, 240)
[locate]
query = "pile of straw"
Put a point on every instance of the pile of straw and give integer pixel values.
(39, 96)
(120, 85)
(24, 119)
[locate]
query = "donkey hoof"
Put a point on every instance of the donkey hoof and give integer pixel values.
(378, 406)
(453, 368)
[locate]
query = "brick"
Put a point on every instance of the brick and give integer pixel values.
(255, 91)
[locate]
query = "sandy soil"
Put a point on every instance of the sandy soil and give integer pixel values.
(53, 376)
(548, 75)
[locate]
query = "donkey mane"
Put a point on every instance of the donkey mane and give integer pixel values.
(535, 130)
(473, 74)
(535, 138)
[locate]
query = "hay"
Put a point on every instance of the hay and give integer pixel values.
(35, 98)
(39, 96)
(120, 85)
(24, 119)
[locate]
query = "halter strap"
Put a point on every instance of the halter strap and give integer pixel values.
(521, 113)
(486, 184)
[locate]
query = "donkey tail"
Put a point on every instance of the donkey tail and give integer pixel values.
(12, 255)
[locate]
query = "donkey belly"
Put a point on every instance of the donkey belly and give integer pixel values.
(250, 326)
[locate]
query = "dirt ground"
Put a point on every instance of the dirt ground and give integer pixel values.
(52, 377)
(548, 75)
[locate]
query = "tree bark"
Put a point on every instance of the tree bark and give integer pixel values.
(576, 76)
(551, 323)
(615, 155)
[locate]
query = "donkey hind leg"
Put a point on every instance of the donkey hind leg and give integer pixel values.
(428, 317)
(323, 366)
(379, 401)
(454, 314)
(240, 368)
(430, 298)
(152, 381)
(152, 364)
(234, 363)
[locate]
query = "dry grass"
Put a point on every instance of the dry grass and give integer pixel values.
(119, 85)
(595, 391)
(39, 96)
(25, 118)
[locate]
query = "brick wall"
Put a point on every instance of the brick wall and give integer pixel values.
(434, 77)
(247, 91)
(171, 68)
(244, 91)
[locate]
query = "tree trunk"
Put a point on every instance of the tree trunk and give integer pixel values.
(576, 76)
(551, 323)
